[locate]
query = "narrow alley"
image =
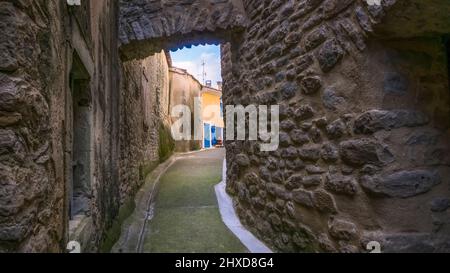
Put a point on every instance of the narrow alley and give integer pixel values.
(184, 215)
(113, 136)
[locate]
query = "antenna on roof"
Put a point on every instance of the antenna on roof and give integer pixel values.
(204, 72)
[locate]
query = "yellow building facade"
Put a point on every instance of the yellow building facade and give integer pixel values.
(212, 116)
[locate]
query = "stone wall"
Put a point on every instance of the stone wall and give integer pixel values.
(364, 147)
(76, 140)
(144, 109)
(46, 47)
(25, 157)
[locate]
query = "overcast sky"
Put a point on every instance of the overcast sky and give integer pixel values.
(191, 60)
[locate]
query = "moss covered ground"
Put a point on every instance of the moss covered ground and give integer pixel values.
(186, 217)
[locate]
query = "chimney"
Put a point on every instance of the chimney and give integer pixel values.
(219, 86)
(208, 83)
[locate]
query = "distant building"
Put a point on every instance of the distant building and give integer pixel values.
(184, 88)
(212, 115)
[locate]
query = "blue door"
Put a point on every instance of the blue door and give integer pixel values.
(214, 137)
(207, 136)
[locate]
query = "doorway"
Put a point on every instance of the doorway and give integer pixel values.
(447, 47)
(80, 188)
(207, 136)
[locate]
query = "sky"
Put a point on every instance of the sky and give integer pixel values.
(191, 60)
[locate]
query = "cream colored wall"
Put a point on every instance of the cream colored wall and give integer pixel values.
(184, 88)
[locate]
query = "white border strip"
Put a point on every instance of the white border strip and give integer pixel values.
(231, 220)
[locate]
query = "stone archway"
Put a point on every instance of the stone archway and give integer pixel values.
(147, 27)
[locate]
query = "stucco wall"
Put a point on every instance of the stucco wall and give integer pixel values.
(184, 89)
(211, 107)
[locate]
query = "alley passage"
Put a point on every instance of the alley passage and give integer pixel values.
(186, 214)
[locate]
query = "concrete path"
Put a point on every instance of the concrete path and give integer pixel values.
(177, 210)
(185, 215)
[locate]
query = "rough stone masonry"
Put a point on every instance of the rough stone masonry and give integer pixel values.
(79, 128)
(364, 90)
(365, 102)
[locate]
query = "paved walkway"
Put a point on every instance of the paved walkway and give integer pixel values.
(185, 216)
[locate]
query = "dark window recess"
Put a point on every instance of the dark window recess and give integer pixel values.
(80, 188)
(447, 46)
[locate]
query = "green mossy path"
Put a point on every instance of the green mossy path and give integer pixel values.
(186, 214)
